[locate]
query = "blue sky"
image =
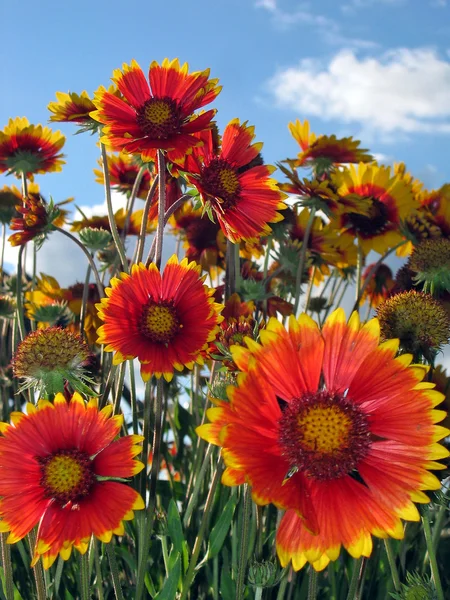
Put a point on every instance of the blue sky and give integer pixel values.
(375, 69)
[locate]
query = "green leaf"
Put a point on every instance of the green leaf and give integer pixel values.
(220, 530)
(227, 586)
(169, 589)
(174, 526)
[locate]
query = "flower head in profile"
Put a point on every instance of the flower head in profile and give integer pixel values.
(236, 185)
(155, 114)
(165, 320)
(388, 200)
(380, 285)
(73, 108)
(60, 467)
(37, 221)
(47, 358)
(123, 170)
(30, 149)
(331, 427)
(324, 151)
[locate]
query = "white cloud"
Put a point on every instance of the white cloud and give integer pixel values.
(402, 91)
(353, 5)
(329, 30)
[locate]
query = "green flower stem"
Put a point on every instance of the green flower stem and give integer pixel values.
(150, 512)
(84, 577)
(7, 567)
(193, 497)
(332, 578)
(243, 556)
(393, 566)
(114, 570)
(359, 268)
(302, 260)
(132, 199)
(352, 590)
(169, 212)
(283, 585)
(19, 298)
(2, 255)
(38, 570)
(432, 554)
(372, 271)
(98, 570)
(58, 574)
(88, 256)
(201, 532)
(139, 252)
(24, 185)
(310, 287)
(259, 593)
(231, 267)
(312, 583)
(119, 387)
(133, 399)
(112, 222)
(84, 300)
(161, 207)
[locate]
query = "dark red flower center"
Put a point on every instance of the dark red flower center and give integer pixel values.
(67, 475)
(372, 224)
(160, 322)
(221, 180)
(159, 118)
(324, 435)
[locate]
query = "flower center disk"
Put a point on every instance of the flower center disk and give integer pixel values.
(160, 322)
(159, 117)
(67, 475)
(221, 180)
(372, 224)
(324, 435)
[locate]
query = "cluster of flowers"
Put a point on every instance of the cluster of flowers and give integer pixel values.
(333, 422)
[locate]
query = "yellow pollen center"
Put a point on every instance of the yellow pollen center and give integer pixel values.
(324, 429)
(160, 322)
(157, 112)
(63, 474)
(229, 181)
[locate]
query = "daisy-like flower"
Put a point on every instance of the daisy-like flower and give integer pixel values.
(380, 285)
(156, 116)
(36, 222)
(165, 320)
(59, 469)
(120, 217)
(325, 150)
(390, 201)
(438, 203)
(203, 239)
(233, 181)
(30, 149)
(123, 170)
(331, 427)
(71, 108)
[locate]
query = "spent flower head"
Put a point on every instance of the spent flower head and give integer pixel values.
(430, 261)
(95, 238)
(418, 320)
(47, 358)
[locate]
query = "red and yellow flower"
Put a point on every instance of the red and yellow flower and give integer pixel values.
(390, 201)
(156, 116)
(123, 170)
(165, 320)
(326, 148)
(331, 427)
(120, 217)
(57, 470)
(30, 149)
(71, 108)
(234, 182)
(380, 285)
